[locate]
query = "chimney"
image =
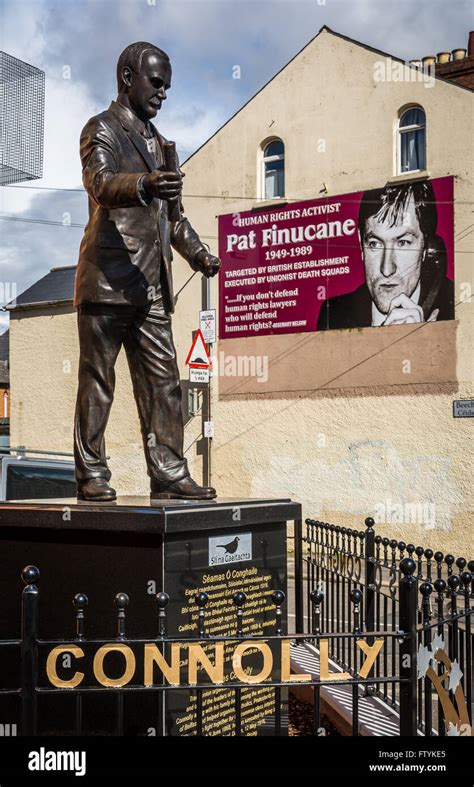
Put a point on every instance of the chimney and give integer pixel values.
(470, 46)
(429, 60)
(457, 66)
(443, 57)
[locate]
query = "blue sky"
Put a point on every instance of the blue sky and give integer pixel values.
(81, 40)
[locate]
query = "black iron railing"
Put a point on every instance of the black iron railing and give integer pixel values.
(33, 651)
(338, 560)
(422, 656)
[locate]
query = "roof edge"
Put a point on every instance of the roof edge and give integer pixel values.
(324, 29)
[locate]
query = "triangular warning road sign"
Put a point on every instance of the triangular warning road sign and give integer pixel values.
(198, 356)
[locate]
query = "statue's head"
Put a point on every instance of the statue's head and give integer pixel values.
(144, 76)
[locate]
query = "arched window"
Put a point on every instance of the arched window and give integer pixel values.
(5, 404)
(273, 174)
(412, 140)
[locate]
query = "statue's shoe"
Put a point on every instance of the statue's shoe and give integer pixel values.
(184, 489)
(97, 490)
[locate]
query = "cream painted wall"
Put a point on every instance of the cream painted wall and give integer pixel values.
(346, 453)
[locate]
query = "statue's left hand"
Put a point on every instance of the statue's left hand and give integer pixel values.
(206, 263)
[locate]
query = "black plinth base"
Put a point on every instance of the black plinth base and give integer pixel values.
(180, 547)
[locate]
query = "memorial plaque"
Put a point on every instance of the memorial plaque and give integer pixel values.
(220, 565)
(133, 547)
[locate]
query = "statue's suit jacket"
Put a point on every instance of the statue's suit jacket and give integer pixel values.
(125, 254)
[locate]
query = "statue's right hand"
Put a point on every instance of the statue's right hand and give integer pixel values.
(163, 185)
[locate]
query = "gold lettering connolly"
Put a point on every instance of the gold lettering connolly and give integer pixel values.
(170, 671)
(239, 652)
(51, 671)
(371, 653)
(170, 668)
(128, 673)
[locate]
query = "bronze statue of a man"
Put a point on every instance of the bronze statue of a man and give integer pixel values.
(124, 288)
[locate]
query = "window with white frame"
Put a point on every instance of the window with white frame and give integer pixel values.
(412, 140)
(273, 170)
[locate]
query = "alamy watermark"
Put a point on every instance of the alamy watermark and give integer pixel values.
(46, 760)
(226, 365)
(389, 70)
(396, 513)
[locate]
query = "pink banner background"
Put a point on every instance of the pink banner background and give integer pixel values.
(236, 321)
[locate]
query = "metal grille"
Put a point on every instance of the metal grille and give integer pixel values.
(40, 698)
(21, 120)
(335, 561)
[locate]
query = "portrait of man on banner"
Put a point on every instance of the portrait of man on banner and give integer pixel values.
(405, 263)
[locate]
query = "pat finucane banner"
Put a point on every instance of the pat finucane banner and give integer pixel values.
(374, 258)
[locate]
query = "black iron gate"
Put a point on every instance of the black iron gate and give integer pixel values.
(383, 659)
(340, 561)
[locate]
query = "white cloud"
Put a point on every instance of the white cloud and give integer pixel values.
(204, 38)
(191, 128)
(67, 108)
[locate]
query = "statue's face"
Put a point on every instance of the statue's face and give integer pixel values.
(148, 88)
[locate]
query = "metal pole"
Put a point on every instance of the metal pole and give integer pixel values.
(206, 300)
(408, 665)
(370, 588)
(298, 540)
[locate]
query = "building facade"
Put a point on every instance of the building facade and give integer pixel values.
(4, 389)
(338, 424)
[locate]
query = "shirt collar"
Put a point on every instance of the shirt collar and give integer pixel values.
(130, 117)
(378, 317)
